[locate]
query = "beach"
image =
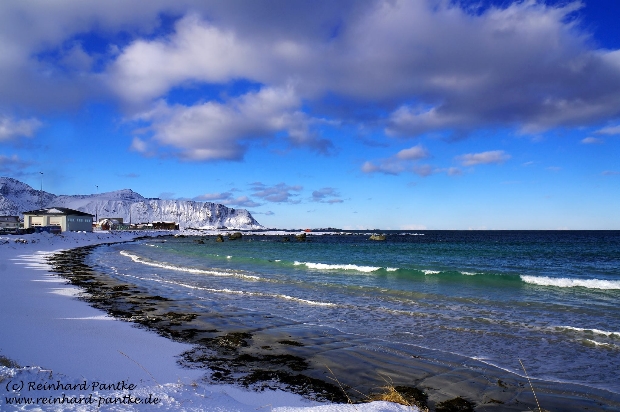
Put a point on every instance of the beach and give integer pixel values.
(54, 338)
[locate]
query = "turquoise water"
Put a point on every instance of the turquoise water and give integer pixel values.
(548, 298)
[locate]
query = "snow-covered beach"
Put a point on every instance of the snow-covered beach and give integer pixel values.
(59, 353)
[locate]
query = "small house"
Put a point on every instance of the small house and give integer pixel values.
(68, 219)
(9, 223)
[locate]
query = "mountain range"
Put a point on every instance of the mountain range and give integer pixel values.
(17, 197)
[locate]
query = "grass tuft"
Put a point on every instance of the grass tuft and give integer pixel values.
(403, 395)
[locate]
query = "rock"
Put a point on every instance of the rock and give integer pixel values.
(219, 238)
(301, 237)
(235, 236)
(286, 239)
(377, 237)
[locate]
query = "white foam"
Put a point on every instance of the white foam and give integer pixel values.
(602, 344)
(571, 283)
(325, 266)
(590, 331)
(138, 259)
(430, 272)
(243, 292)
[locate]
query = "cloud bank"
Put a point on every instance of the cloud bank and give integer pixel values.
(427, 66)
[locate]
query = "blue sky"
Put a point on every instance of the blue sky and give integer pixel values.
(420, 114)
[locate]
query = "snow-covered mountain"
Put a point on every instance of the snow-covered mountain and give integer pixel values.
(17, 197)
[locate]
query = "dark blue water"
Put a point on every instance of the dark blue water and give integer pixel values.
(549, 298)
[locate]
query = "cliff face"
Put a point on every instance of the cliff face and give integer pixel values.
(17, 197)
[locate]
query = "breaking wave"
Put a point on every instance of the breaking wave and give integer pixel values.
(138, 259)
(246, 293)
(589, 331)
(325, 266)
(571, 283)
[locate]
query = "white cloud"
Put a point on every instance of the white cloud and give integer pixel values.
(413, 153)
(213, 130)
(197, 51)
(215, 197)
(591, 140)
(609, 130)
(280, 193)
(11, 128)
(402, 161)
(228, 199)
(490, 157)
(525, 65)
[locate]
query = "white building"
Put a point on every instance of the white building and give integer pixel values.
(68, 219)
(9, 222)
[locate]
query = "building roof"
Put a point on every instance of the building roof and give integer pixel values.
(57, 211)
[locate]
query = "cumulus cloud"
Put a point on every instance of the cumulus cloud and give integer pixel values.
(198, 51)
(402, 161)
(432, 66)
(280, 193)
(11, 128)
(214, 130)
(520, 66)
(326, 195)
(524, 65)
(490, 157)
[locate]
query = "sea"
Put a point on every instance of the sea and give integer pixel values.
(547, 301)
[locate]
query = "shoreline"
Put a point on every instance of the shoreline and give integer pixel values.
(49, 336)
(491, 388)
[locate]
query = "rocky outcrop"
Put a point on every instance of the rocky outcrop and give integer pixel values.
(377, 237)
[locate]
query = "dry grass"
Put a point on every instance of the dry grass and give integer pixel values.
(403, 395)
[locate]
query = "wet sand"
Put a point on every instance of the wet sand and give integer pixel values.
(259, 350)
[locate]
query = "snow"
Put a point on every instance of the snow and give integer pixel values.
(17, 197)
(68, 351)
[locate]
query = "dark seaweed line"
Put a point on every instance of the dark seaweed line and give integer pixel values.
(229, 355)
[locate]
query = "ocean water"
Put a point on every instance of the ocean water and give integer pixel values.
(548, 298)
